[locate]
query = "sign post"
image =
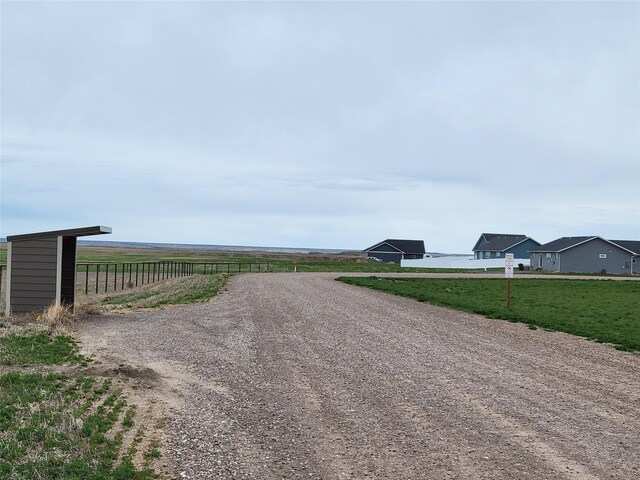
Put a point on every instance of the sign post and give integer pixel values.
(508, 273)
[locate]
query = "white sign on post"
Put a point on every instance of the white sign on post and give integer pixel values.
(508, 265)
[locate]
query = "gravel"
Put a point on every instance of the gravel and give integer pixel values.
(299, 376)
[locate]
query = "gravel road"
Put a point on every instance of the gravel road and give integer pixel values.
(300, 376)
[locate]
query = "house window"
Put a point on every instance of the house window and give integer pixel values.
(498, 255)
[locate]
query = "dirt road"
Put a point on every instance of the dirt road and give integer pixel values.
(300, 376)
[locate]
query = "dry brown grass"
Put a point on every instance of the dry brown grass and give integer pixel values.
(56, 318)
(86, 306)
(57, 315)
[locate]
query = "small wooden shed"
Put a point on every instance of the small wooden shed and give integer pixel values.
(41, 268)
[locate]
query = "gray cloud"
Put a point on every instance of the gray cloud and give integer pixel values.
(353, 121)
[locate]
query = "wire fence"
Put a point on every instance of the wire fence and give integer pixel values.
(93, 278)
(103, 277)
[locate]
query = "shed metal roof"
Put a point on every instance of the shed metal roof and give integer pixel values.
(72, 232)
(404, 246)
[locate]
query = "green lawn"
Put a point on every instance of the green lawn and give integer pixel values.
(603, 310)
(38, 349)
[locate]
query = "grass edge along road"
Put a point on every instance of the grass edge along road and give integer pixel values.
(600, 310)
(191, 289)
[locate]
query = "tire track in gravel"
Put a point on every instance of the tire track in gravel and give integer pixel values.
(299, 376)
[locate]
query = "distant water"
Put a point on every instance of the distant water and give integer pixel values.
(232, 248)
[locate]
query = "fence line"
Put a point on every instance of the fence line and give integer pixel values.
(207, 268)
(104, 277)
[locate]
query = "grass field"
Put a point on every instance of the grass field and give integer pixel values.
(279, 262)
(601, 310)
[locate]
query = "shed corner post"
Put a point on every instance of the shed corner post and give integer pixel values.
(59, 271)
(7, 300)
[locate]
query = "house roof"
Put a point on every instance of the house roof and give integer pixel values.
(631, 245)
(73, 232)
(564, 243)
(404, 246)
(499, 242)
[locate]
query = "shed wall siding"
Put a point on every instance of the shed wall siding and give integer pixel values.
(33, 274)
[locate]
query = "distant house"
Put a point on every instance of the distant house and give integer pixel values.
(496, 245)
(587, 255)
(392, 250)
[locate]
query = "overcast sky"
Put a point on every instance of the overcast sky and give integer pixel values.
(317, 124)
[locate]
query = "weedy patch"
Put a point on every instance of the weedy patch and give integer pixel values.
(63, 426)
(39, 348)
(54, 426)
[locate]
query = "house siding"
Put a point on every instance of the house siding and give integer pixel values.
(497, 246)
(386, 256)
(519, 251)
(547, 262)
(33, 274)
(585, 258)
(522, 249)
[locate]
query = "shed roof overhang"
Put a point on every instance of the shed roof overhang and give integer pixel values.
(72, 232)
